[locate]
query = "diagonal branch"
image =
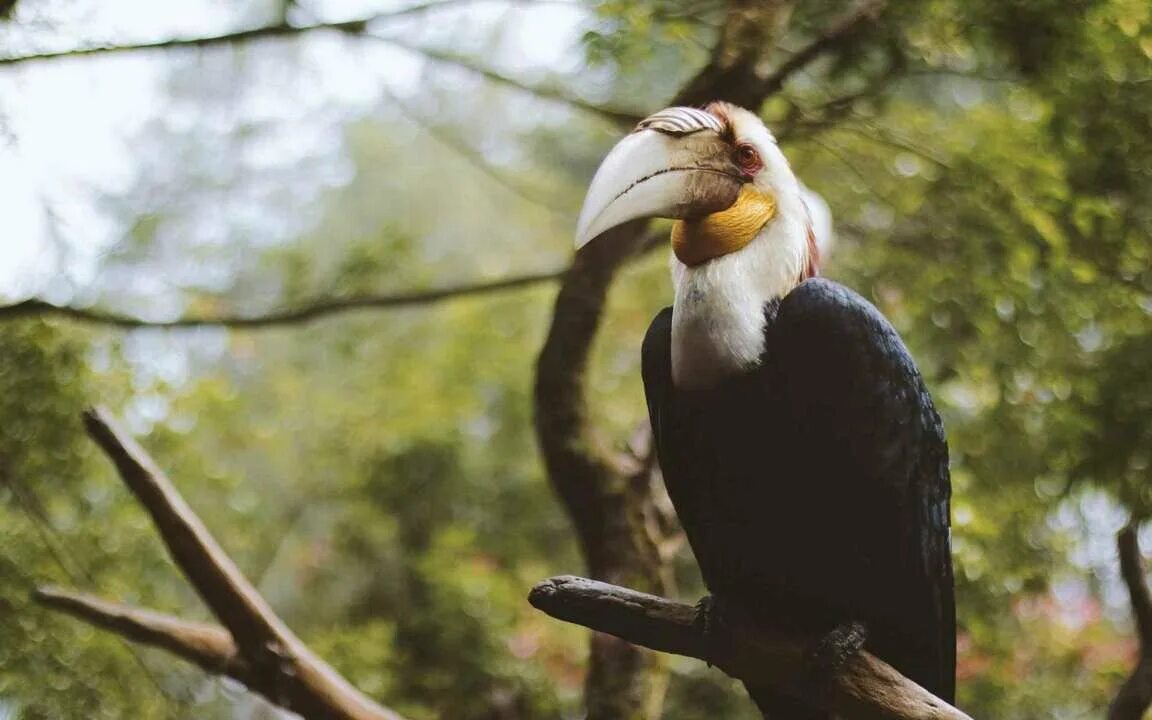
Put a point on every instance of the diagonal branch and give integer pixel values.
(865, 688)
(624, 118)
(476, 159)
(833, 36)
(1135, 695)
(206, 645)
(272, 660)
(304, 313)
(216, 578)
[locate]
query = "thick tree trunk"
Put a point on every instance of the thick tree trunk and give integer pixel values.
(605, 498)
(606, 505)
(608, 502)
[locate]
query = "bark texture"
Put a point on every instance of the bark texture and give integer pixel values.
(865, 688)
(252, 645)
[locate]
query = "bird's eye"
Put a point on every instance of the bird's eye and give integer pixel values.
(748, 158)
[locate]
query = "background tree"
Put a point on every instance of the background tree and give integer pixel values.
(375, 472)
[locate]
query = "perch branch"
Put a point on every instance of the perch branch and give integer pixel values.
(254, 646)
(866, 688)
(1135, 695)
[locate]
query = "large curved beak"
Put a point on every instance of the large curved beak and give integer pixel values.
(651, 173)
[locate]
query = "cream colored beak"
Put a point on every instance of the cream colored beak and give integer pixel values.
(655, 174)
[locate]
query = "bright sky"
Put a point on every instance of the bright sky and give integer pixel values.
(67, 126)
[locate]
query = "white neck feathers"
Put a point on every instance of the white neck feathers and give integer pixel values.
(718, 315)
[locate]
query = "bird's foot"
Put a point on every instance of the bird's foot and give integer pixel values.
(828, 655)
(711, 613)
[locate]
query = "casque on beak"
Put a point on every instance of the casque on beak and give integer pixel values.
(661, 170)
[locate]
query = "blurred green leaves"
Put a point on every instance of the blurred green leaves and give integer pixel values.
(989, 167)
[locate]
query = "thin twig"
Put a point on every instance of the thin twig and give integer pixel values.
(230, 38)
(354, 26)
(868, 11)
(621, 117)
(304, 313)
(204, 644)
(476, 159)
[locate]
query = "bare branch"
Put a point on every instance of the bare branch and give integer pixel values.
(1135, 695)
(231, 38)
(424, 8)
(206, 645)
(476, 159)
(353, 27)
(865, 13)
(304, 313)
(357, 28)
(216, 578)
(282, 668)
(623, 118)
(865, 688)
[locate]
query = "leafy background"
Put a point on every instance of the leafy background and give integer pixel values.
(988, 164)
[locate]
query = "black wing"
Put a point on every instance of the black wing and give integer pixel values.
(817, 484)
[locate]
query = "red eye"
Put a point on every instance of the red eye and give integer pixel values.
(748, 158)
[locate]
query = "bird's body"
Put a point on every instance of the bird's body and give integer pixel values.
(813, 487)
(798, 443)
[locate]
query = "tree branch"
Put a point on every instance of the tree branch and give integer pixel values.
(230, 38)
(304, 313)
(476, 159)
(623, 118)
(204, 644)
(256, 647)
(216, 578)
(865, 688)
(865, 13)
(1135, 695)
(357, 28)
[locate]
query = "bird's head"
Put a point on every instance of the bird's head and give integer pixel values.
(718, 172)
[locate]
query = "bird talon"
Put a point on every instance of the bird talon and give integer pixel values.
(710, 612)
(833, 649)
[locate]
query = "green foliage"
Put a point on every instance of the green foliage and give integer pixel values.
(989, 166)
(60, 526)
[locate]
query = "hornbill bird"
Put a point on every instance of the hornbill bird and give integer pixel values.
(797, 441)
